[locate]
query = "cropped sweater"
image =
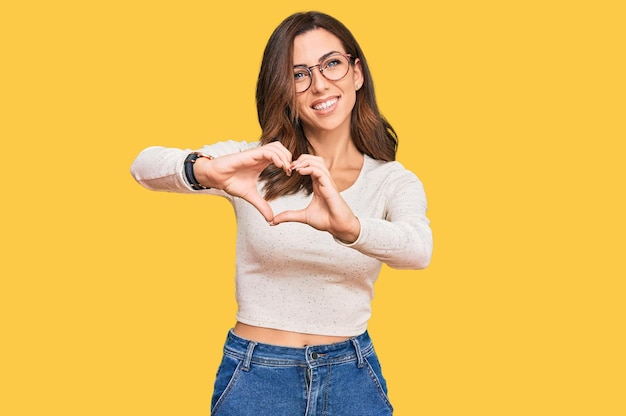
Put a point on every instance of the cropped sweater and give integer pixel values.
(293, 277)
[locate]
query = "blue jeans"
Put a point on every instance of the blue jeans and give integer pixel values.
(341, 379)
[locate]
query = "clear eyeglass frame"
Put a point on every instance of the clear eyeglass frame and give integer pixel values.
(333, 67)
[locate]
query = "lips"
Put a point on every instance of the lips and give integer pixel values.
(324, 104)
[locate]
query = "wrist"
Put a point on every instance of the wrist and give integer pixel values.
(352, 233)
(192, 161)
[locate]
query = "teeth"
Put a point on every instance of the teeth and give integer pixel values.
(325, 105)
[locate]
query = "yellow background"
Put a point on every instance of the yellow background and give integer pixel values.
(116, 300)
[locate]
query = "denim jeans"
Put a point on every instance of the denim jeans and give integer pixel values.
(341, 379)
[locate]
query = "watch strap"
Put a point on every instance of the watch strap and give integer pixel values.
(190, 160)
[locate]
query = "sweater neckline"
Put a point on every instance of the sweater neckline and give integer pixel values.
(366, 160)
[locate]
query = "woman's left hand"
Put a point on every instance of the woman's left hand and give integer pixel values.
(327, 211)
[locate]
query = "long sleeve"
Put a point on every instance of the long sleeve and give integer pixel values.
(388, 199)
(294, 277)
(161, 168)
(402, 238)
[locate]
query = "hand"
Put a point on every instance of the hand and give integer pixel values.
(327, 211)
(238, 173)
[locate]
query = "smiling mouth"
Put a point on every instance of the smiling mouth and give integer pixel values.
(326, 104)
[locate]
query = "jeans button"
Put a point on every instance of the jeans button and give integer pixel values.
(314, 355)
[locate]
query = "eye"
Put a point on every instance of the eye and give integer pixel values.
(300, 74)
(333, 62)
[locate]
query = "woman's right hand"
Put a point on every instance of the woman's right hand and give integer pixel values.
(238, 173)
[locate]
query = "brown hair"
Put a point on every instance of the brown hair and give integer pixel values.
(277, 113)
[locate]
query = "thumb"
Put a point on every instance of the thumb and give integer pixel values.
(290, 216)
(261, 205)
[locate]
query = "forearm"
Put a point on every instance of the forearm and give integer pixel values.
(394, 227)
(162, 169)
(401, 245)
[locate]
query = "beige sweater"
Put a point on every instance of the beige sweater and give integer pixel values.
(293, 277)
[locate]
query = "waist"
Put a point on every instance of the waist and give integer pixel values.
(354, 348)
(283, 338)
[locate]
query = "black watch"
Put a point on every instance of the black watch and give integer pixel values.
(191, 178)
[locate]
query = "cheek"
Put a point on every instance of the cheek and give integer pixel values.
(301, 106)
(300, 100)
(350, 98)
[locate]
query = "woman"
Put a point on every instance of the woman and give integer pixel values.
(334, 206)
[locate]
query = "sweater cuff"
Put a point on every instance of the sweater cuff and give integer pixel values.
(355, 242)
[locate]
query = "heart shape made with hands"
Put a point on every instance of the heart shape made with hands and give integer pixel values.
(263, 206)
(326, 211)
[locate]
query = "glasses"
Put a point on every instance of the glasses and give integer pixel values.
(333, 68)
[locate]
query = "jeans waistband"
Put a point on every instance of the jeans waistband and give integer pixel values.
(353, 349)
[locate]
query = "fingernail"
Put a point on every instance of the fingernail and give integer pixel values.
(287, 168)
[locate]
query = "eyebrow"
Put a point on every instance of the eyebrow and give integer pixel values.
(326, 55)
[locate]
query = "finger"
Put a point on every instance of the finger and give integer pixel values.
(281, 163)
(309, 161)
(280, 156)
(290, 216)
(281, 149)
(319, 174)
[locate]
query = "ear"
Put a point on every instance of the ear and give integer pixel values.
(358, 74)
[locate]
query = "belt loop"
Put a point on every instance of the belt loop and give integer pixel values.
(248, 357)
(359, 355)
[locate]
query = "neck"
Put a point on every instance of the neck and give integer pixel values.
(337, 149)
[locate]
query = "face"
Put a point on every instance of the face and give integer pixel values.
(327, 105)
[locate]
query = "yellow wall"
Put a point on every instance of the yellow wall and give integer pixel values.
(116, 300)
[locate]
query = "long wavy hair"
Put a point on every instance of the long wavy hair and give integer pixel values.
(276, 103)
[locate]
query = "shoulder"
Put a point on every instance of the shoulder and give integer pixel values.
(388, 172)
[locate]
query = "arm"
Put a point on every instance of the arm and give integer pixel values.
(161, 168)
(233, 170)
(388, 222)
(403, 239)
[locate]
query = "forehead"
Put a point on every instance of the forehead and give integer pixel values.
(309, 47)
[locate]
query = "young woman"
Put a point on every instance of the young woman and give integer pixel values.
(320, 205)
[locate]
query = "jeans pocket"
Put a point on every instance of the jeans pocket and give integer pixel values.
(375, 372)
(226, 378)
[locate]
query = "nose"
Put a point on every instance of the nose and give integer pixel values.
(318, 80)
